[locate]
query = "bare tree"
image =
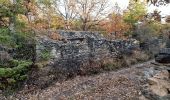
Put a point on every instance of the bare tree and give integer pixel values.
(66, 9)
(157, 2)
(89, 12)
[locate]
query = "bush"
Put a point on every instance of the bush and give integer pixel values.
(114, 64)
(45, 55)
(10, 76)
(15, 40)
(6, 38)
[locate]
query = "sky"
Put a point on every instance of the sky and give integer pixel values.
(165, 10)
(122, 3)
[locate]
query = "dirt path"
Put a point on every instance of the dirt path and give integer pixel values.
(124, 84)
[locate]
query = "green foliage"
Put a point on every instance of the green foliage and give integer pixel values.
(9, 76)
(20, 25)
(45, 2)
(155, 28)
(14, 71)
(11, 40)
(149, 30)
(21, 39)
(6, 38)
(136, 12)
(45, 55)
(8, 9)
(5, 8)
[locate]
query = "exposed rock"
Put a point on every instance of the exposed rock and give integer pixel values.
(160, 83)
(149, 72)
(143, 98)
(159, 89)
(163, 56)
(167, 97)
(164, 75)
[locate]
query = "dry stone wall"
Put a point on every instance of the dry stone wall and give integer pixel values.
(79, 51)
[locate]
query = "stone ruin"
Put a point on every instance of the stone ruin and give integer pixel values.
(78, 51)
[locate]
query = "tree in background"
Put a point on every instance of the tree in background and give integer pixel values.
(87, 12)
(46, 11)
(115, 24)
(67, 10)
(8, 9)
(46, 17)
(156, 2)
(91, 12)
(16, 12)
(136, 12)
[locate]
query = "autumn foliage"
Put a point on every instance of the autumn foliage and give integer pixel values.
(116, 25)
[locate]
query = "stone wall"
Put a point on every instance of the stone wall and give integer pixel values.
(80, 51)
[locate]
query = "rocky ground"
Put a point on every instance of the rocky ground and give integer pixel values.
(125, 84)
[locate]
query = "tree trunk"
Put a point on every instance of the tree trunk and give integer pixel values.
(12, 24)
(12, 19)
(84, 26)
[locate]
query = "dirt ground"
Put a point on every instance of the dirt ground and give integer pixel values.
(124, 84)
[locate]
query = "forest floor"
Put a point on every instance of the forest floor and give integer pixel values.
(124, 84)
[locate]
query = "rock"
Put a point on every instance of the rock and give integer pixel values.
(168, 69)
(160, 83)
(152, 81)
(142, 98)
(82, 49)
(149, 72)
(163, 56)
(167, 97)
(159, 90)
(164, 74)
(83, 52)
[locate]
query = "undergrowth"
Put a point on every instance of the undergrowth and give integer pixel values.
(13, 73)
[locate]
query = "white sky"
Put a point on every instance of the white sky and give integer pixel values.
(165, 10)
(122, 3)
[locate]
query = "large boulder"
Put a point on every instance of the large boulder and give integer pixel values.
(160, 83)
(163, 56)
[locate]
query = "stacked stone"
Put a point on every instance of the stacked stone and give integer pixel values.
(80, 50)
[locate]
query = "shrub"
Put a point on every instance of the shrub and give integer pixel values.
(15, 40)
(45, 55)
(10, 76)
(6, 38)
